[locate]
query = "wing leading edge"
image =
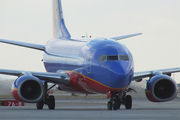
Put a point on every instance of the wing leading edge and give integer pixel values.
(144, 74)
(63, 78)
(56, 78)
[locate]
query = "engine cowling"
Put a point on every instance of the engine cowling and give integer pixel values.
(28, 88)
(161, 88)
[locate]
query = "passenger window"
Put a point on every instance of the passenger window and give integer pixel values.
(115, 57)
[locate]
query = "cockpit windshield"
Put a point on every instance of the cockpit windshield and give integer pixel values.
(103, 58)
(124, 57)
(115, 57)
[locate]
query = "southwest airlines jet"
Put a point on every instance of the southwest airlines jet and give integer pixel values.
(88, 66)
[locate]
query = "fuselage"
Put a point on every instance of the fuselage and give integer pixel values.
(95, 66)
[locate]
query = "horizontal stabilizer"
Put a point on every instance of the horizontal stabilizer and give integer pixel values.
(23, 44)
(125, 36)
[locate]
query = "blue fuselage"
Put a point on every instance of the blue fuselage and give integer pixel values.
(106, 62)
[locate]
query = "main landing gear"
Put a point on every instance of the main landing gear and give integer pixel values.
(118, 98)
(48, 99)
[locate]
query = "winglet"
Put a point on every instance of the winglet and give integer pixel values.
(59, 30)
(125, 36)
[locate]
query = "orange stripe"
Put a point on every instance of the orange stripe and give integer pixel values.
(95, 80)
(14, 88)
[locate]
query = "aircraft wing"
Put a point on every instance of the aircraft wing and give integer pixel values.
(140, 75)
(56, 78)
(23, 44)
(125, 36)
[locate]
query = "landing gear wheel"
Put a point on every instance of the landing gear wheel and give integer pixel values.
(115, 105)
(119, 104)
(109, 105)
(128, 101)
(40, 105)
(51, 102)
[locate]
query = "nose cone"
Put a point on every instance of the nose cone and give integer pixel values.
(121, 68)
(121, 74)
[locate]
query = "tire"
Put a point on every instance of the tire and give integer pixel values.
(40, 105)
(109, 105)
(115, 105)
(128, 104)
(119, 104)
(51, 102)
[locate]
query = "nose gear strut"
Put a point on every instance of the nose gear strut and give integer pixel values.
(118, 98)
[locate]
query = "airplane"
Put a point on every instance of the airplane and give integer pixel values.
(88, 66)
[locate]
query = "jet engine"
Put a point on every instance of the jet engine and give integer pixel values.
(28, 88)
(161, 88)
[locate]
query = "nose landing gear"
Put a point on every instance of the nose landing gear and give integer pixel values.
(118, 98)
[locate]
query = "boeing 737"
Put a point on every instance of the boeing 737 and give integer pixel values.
(89, 66)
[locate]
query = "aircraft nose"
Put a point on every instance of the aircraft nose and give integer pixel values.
(121, 74)
(120, 68)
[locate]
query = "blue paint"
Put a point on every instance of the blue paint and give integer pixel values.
(59, 25)
(82, 56)
(66, 55)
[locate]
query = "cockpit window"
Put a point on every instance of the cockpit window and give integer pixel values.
(114, 57)
(123, 57)
(102, 58)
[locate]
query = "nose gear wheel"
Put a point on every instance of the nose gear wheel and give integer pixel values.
(118, 98)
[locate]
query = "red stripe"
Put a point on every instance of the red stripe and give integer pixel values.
(85, 84)
(15, 94)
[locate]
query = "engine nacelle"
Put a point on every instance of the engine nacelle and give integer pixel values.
(28, 88)
(161, 88)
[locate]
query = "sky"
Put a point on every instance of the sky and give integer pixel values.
(31, 21)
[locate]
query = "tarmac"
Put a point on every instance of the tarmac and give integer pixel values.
(94, 109)
(91, 108)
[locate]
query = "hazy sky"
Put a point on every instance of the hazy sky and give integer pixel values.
(31, 21)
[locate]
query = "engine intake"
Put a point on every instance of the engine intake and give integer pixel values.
(161, 88)
(28, 89)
